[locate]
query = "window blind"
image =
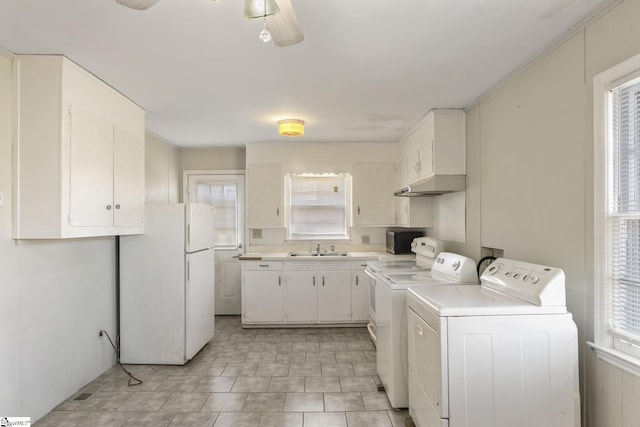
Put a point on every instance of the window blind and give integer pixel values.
(224, 198)
(318, 206)
(623, 218)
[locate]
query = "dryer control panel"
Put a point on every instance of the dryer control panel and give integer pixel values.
(534, 283)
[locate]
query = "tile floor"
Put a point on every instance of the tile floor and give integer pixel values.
(302, 377)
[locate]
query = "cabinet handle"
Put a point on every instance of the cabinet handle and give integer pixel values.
(357, 280)
(277, 211)
(108, 207)
(263, 265)
(118, 206)
(314, 280)
(279, 280)
(358, 210)
(418, 330)
(322, 280)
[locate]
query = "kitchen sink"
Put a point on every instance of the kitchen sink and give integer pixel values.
(315, 254)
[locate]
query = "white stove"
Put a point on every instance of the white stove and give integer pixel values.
(391, 316)
(425, 248)
(503, 354)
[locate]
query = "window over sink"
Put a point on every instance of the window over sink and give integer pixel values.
(318, 206)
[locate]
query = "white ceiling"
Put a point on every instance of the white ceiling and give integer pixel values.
(367, 70)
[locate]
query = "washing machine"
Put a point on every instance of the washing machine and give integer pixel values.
(391, 317)
(502, 354)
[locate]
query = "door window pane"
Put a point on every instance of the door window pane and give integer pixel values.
(224, 197)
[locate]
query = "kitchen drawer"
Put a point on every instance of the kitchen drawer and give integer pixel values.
(263, 265)
(358, 265)
(318, 266)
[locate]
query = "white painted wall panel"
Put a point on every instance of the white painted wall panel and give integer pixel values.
(55, 297)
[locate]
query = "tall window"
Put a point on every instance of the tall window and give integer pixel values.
(617, 203)
(623, 215)
(318, 206)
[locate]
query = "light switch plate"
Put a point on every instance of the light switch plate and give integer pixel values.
(365, 239)
(256, 233)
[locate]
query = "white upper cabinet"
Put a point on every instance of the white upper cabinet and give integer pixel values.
(265, 184)
(437, 146)
(79, 153)
(373, 199)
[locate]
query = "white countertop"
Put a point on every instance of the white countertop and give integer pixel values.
(354, 256)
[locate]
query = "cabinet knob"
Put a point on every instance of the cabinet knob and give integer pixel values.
(108, 207)
(118, 206)
(322, 280)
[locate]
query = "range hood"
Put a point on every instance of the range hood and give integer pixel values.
(434, 186)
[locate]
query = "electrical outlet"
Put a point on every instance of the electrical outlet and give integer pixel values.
(256, 233)
(366, 239)
(486, 251)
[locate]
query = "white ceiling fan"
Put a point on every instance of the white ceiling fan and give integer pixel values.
(280, 20)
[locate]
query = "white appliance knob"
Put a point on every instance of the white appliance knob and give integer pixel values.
(493, 270)
(525, 277)
(535, 279)
(456, 265)
(516, 275)
(507, 273)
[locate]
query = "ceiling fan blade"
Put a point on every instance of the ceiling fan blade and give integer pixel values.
(138, 4)
(284, 26)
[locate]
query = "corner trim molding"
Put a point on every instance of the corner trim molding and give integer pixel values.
(580, 26)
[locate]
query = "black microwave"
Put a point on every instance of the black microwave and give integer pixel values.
(399, 242)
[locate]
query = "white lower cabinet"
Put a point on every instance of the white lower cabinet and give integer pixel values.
(359, 293)
(299, 292)
(301, 296)
(262, 292)
(334, 296)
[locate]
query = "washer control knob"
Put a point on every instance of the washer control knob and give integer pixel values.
(525, 277)
(493, 270)
(507, 273)
(535, 279)
(456, 265)
(516, 275)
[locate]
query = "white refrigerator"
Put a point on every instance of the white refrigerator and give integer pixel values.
(167, 307)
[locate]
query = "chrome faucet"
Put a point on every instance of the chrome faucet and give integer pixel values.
(318, 248)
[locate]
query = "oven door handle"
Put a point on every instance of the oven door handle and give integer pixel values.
(368, 273)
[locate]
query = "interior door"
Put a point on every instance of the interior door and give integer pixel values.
(226, 193)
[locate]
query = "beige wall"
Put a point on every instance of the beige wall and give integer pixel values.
(530, 184)
(162, 170)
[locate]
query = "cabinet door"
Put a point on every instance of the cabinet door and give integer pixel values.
(334, 296)
(262, 296)
(301, 296)
(373, 199)
(264, 195)
(426, 147)
(128, 179)
(360, 297)
(91, 170)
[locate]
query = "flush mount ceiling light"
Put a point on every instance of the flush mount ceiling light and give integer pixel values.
(291, 127)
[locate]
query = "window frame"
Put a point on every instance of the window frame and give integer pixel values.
(315, 237)
(192, 177)
(608, 346)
